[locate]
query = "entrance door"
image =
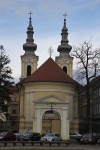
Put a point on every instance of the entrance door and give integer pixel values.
(51, 122)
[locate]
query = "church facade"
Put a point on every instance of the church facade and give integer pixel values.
(48, 94)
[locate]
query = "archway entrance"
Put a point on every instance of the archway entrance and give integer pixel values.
(51, 122)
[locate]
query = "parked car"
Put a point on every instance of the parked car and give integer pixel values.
(7, 136)
(98, 141)
(30, 136)
(51, 137)
(89, 138)
(75, 135)
(18, 135)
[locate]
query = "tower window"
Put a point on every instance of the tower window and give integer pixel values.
(14, 110)
(28, 70)
(14, 99)
(65, 69)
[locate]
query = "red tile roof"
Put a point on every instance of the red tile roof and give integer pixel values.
(49, 71)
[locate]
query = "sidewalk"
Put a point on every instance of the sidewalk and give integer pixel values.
(50, 148)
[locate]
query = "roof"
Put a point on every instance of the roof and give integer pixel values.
(49, 71)
(95, 80)
(14, 88)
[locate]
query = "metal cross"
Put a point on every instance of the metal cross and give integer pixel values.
(65, 15)
(50, 51)
(30, 14)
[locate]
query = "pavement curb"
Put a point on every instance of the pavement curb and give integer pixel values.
(46, 148)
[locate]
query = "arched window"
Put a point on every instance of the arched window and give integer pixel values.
(65, 69)
(28, 70)
(14, 110)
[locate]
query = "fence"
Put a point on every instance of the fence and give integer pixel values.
(34, 143)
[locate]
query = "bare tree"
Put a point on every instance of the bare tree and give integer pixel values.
(88, 65)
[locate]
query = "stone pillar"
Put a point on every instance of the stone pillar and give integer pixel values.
(65, 124)
(38, 120)
(27, 110)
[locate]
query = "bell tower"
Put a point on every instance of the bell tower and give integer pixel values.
(64, 60)
(29, 59)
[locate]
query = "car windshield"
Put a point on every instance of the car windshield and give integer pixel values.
(27, 134)
(3, 133)
(90, 135)
(51, 134)
(86, 135)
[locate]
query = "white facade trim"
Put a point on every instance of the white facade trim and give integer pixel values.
(55, 111)
(64, 122)
(50, 90)
(48, 107)
(38, 121)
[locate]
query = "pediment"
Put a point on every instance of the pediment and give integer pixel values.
(51, 99)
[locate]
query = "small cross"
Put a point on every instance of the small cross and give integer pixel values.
(65, 15)
(30, 14)
(50, 51)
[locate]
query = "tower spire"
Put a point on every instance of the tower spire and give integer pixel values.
(50, 51)
(64, 15)
(30, 22)
(64, 47)
(30, 13)
(30, 45)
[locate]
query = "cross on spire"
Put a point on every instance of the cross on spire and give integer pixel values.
(64, 15)
(30, 13)
(50, 51)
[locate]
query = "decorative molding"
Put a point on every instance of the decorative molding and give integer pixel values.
(49, 90)
(50, 96)
(49, 107)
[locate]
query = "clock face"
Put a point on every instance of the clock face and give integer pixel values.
(28, 59)
(65, 61)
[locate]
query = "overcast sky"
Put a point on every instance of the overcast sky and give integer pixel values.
(83, 22)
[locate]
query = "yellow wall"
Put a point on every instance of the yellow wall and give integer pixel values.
(28, 59)
(36, 91)
(65, 61)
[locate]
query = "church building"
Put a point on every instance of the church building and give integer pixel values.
(48, 94)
